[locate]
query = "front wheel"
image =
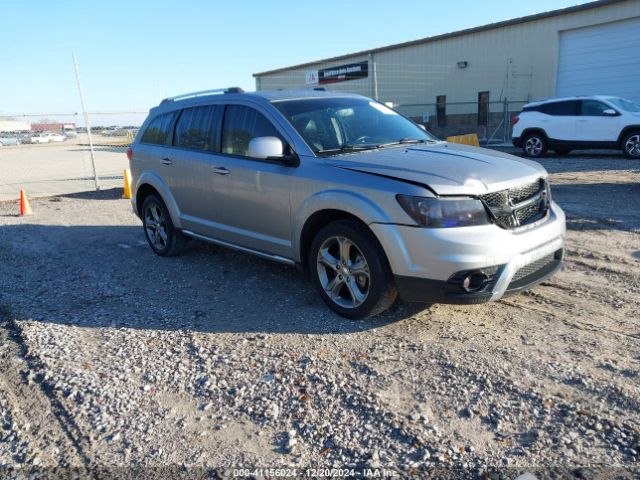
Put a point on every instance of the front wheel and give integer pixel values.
(350, 270)
(534, 145)
(631, 145)
(164, 239)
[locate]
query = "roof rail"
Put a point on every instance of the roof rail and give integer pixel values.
(204, 92)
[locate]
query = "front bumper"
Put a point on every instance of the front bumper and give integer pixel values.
(426, 261)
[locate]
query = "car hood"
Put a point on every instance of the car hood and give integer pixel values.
(445, 168)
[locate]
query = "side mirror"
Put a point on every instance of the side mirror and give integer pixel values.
(271, 148)
(609, 112)
(265, 147)
(422, 127)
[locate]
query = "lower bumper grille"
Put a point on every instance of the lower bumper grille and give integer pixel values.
(535, 271)
(532, 267)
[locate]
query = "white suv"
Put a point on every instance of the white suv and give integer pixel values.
(563, 124)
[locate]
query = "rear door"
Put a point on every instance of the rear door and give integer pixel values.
(559, 119)
(191, 164)
(594, 125)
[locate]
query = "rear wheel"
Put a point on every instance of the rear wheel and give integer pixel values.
(631, 144)
(534, 145)
(350, 270)
(164, 239)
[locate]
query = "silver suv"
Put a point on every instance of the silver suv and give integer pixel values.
(364, 199)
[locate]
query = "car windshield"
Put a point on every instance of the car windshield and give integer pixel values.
(625, 104)
(337, 125)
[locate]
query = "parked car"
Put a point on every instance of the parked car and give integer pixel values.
(45, 137)
(348, 189)
(589, 122)
(9, 138)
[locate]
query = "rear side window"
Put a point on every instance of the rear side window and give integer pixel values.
(195, 129)
(561, 109)
(159, 130)
(240, 125)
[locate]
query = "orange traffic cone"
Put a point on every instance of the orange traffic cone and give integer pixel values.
(25, 208)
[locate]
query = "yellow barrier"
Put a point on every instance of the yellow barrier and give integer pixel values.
(469, 139)
(127, 184)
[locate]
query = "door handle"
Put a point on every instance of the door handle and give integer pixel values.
(582, 119)
(221, 170)
(166, 161)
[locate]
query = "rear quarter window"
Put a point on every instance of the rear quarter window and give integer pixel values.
(159, 130)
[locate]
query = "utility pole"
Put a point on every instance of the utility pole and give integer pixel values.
(87, 124)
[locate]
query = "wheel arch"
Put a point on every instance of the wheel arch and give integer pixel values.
(530, 130)
(316, 222)
(150, 183)
(328, 206)
(626, 131)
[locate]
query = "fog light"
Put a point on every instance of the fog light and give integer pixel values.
(474, 281)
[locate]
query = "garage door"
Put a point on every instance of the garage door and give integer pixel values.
(602, 59)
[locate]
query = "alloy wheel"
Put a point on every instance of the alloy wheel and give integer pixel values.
(533, 146)
(632, 145)
(343, 272)
(156, 226)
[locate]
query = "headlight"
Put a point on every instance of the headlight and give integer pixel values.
(443, 212)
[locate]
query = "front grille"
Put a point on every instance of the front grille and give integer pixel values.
(533, 267)
(518, 206)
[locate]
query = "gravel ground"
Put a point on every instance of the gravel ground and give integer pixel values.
(113, 358)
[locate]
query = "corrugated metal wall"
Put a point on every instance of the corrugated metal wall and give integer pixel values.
(518, 62)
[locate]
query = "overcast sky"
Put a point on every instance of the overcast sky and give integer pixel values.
(133, 53)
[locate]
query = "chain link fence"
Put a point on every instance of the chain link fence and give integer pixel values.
(51, 155)
(492, 122)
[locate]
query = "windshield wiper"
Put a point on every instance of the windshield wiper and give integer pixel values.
(403, 141)
(350, 147)
(347, 147)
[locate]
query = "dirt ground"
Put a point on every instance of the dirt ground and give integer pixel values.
(114, 359)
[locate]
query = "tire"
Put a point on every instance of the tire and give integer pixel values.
(631, 145)
(534, 145)
(163, 238)
(562, 151)
(335, 251)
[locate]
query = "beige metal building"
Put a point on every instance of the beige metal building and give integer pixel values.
(476, 80)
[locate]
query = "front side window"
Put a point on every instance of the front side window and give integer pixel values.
(561, 109)
(240, 125)
(593, 108)
(625, 104)
(195, 129)
(159, 130)
(334, 124)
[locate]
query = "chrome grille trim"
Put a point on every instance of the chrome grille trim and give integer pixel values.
(519, 206)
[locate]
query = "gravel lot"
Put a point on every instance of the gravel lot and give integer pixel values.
(113, 357)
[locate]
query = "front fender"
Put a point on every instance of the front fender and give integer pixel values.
(154, 180)
(350, 202)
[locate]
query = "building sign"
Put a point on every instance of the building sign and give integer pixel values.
(343, 73)
(311, 77)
